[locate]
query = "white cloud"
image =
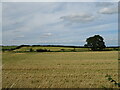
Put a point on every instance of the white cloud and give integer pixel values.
(108, 10)
(45, 35)
(79, 18)
(48, 34)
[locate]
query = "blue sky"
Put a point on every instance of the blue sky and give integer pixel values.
(64, 23)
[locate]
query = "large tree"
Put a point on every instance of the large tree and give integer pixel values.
(95, 43)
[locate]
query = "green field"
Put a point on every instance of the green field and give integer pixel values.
(8, 47)
(52, 49)
(59, 69)
(68, 49)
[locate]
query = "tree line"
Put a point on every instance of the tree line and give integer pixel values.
(95, 43)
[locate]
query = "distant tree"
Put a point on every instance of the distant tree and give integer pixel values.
(31, 50)
(96, 43)
(42, 50)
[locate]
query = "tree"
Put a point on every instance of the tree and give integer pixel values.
(96, 43)
(31, 50)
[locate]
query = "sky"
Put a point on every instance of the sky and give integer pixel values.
(58, 23)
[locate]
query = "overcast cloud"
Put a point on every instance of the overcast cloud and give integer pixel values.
(66, 23)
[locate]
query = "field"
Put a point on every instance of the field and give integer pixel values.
(59, 69)
(54, 49)
(8, 47)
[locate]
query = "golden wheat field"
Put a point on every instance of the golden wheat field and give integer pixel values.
(59, 69)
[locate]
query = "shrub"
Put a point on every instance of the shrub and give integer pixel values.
(42, 50)
(63, 50)
(112, 80)
(31, 50)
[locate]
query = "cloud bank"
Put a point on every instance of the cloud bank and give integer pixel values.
(67, 23)
(108, 11)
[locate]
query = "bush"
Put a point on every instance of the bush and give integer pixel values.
(63, 50)
(112, 80)
(31, 50)
(42, 50)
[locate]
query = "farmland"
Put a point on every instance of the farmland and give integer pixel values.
(59, 69)
(52, 48)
